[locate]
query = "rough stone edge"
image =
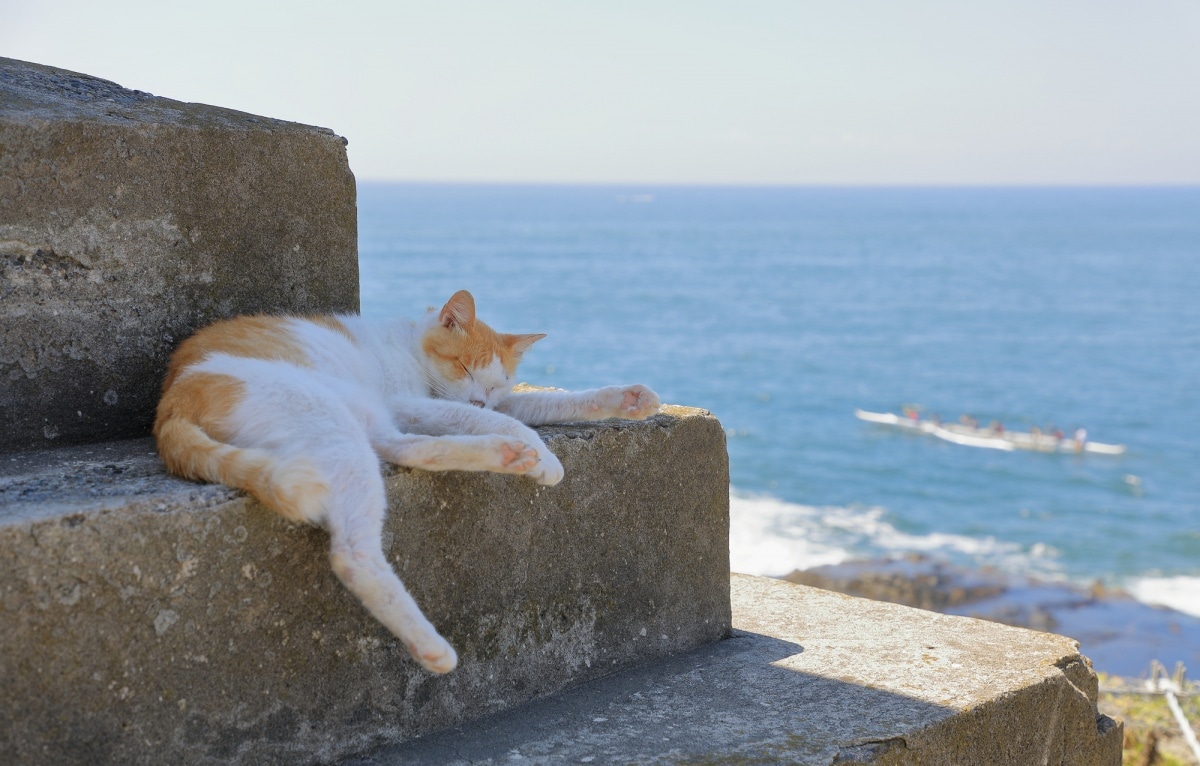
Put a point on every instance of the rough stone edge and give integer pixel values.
(96, 99)
(954, 738)
(538, 736)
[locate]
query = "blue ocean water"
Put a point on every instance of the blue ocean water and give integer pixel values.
(781, 310)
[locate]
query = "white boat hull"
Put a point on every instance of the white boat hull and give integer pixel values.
(988, 439)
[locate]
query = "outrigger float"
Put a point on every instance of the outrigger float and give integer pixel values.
(989, 438)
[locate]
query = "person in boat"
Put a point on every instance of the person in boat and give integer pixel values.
(1080, 439)
(1057, 433)
(996, 427)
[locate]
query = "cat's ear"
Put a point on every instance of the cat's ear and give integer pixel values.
(522, 343)
(459, 311)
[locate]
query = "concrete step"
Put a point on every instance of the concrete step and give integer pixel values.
(149, 620)
(127, 221)
(812, 677)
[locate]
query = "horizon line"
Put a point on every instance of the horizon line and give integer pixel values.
(1181, 185)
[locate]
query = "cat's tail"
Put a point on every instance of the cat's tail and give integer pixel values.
(293, 487)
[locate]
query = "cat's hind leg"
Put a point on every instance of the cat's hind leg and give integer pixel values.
(354, 518)
(327, 474)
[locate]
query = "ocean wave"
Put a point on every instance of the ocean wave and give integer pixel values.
(773, 537)
(1181, 593)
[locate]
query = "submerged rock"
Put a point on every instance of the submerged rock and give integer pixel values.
(1121, 635)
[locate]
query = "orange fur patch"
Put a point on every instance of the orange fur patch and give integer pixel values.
(460, 342)
(193, 430)
(475, 347)
(332, 323)
(204, 399)
(255, 337)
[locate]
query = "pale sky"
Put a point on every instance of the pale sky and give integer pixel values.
(657, 91)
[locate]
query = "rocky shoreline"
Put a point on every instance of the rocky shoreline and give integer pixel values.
(1121, 635)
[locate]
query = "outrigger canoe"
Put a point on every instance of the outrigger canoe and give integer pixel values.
(988, 438)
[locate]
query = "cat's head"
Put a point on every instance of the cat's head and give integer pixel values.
(469, 361)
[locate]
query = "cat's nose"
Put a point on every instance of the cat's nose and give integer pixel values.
(475, 402)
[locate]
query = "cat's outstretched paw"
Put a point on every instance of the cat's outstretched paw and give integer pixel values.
(638, 402)
(434, 654)
(548, 471)
(517, 457)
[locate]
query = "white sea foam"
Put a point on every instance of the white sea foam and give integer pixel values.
(769, 536)
(772, 537)
(1180, 593)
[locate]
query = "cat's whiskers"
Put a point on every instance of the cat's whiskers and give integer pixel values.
(440, 389)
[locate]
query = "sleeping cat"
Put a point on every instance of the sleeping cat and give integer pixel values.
(299, 412)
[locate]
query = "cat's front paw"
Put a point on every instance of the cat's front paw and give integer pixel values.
(548, 471)
(517, 457)
(638, 402)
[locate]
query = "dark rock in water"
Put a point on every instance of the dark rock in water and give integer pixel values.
(1120, 634)
(913, 581)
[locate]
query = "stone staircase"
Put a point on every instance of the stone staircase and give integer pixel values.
(149, 620)
(811, 677)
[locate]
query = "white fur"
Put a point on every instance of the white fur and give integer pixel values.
(380, 397)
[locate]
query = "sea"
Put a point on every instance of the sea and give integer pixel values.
(782, 310)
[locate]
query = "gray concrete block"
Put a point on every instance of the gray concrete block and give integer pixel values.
(126, 222)
(813, 678)
(152, 620)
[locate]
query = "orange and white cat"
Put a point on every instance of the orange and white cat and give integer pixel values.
(299, 412)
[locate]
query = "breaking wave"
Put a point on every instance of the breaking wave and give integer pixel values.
(773, 537)
(1180, 593)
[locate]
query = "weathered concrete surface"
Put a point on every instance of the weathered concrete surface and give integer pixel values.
(813, 677)
(127, 221)
(151, 620)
